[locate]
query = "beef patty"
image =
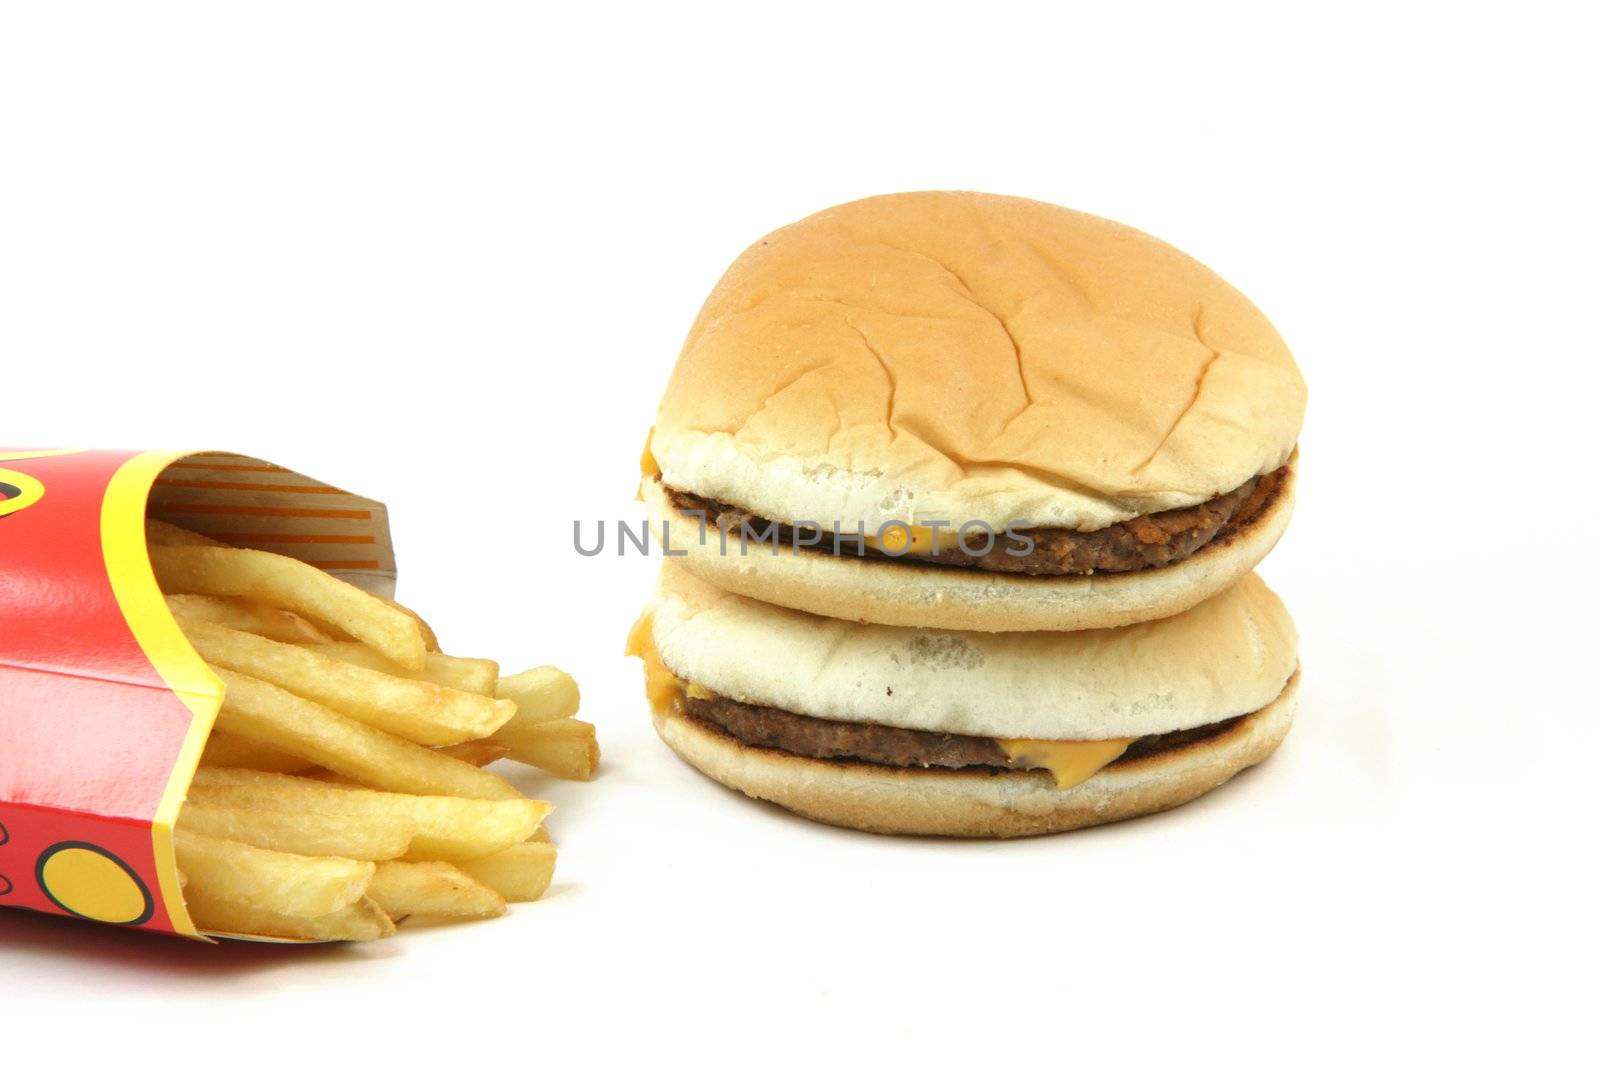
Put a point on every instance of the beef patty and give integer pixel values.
(893, 746)
(1142, 542)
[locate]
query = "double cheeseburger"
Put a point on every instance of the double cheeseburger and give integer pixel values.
(962, 495)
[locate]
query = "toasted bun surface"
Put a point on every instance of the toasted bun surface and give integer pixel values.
(1226, 657)
(903, 593)
(975, 804)
(962, 356)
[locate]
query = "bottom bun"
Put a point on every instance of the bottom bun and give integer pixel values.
(891, 800)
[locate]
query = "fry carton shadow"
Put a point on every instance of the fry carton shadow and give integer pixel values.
(28, 934)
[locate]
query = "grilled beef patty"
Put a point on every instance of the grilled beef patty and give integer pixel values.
(1142, 542)
(893, 746)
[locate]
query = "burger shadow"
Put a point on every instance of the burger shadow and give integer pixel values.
(30, 935)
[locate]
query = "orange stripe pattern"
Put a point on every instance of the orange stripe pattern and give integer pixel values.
(253, 503)
(267, 468)
(267, 512)
(249, 487)
(297, 539)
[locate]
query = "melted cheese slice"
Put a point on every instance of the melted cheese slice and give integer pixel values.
(1069, 762)
(661, 686)
(647, 460)
(648, 468)
(912, 540)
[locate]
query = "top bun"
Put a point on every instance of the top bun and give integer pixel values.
(963, 356)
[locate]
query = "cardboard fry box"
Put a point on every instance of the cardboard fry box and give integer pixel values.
(104, 706)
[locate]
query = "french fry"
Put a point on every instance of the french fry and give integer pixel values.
(302, 886)
(565, 747)
(540, 693)
(422, 712)
(225, 750)
(521, 873)
(282, 582)
(260, 711)
(343, 786)
(452, 672)
(361, 921)
(252, 618)
(447, 828)
(478, 753)
(430, 640)
(157, 532)
(374, 837)
(432, 890)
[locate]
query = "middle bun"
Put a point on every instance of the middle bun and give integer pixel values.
(1228, 656)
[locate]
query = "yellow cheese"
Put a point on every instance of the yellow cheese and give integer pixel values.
(661, 686)
(910, 540)
(647, 461)
(648, 467)
(1069, 762)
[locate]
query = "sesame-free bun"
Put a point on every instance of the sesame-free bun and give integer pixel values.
(894, 800)
(902, 592)
(961, 356)
(1226, 657)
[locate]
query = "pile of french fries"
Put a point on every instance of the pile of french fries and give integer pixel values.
(344, 787)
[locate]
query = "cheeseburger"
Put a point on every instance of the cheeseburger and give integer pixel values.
(974, 412)
(903, 730)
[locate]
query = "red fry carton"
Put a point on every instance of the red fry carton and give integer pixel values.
(104, 707)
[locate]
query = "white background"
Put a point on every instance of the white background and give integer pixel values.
(445, 255)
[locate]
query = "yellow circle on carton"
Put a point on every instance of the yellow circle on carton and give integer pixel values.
(92, 883)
